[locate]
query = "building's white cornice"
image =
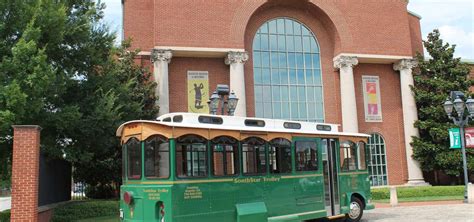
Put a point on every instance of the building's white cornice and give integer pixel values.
(374, 58)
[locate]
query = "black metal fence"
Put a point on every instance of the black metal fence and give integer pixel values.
(54, 181)
(5, 192)
(78, 191)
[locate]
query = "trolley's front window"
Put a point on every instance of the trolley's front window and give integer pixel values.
(157, 158)
(134, 161)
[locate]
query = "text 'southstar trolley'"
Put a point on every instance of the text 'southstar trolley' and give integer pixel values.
(193, 167)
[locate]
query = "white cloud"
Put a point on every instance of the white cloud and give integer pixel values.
(464, 40)
(454, 19)
(113, 16)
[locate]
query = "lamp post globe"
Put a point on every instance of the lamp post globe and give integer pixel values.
(232, 103)
(214, 103)
(448, 107)
(470, 106)
(219, 96)
(459, 106)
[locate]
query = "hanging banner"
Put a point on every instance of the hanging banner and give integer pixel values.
(469, 133)
(198, 91)
(454, 138)
(372, 103)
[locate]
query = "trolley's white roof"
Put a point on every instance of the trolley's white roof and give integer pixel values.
(191, 120)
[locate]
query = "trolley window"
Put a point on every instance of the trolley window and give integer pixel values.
(225, 156)
(306, 156)
(280, 156)
(253, 156)
(191, 156)
(157, 158)
(134, 171)
(362, 156)
(348, 155)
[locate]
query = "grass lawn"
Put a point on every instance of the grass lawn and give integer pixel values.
(415, 194)
(421, 199)
(101, 219)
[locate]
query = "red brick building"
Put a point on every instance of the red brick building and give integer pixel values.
(338, 61)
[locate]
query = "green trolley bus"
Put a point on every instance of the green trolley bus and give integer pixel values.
(196, 167)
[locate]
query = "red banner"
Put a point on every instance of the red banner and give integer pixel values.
(469, 133)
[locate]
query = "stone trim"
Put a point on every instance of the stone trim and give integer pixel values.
(375, 58)
(405, 64)
(345, 61)
(164, 55)
(236, 57)
(27, 126)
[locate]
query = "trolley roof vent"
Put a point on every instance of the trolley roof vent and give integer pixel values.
(178, 118)
(254, 122)
(210, 120)
(290, 125)
(323, 127)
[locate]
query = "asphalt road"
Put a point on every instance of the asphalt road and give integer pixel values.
(5, 203)
(445, 213)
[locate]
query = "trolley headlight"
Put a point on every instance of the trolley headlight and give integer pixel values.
(128, 198)
(121, 214)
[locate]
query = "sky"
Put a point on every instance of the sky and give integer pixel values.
(453, 18)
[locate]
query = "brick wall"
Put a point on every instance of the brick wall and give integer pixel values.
(415, 32)
(25, 173)
(369, 26)
(178, 74)
(391, 128)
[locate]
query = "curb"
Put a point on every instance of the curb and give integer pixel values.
(423, 203)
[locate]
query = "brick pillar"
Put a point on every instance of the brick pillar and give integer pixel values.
(25, 173)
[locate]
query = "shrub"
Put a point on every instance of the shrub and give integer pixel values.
(426, 191)
(380, 193)
(5, 216)
(86, 209)
(5, 184)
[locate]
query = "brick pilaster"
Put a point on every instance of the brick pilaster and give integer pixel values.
(25, 173)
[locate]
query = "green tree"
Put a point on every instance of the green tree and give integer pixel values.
(60, 69)
(434, 79)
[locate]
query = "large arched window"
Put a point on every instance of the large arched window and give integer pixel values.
(287, 72)
(378, 161)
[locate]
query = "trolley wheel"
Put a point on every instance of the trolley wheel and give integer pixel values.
(356, 210)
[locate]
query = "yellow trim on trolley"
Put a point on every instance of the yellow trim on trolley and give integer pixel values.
(301, 176)
(213, 180)
(353, 173)
(180, 182)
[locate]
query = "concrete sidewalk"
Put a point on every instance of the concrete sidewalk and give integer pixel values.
(422, 212)
(5, 203)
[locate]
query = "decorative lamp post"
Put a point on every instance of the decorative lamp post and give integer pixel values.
(232, 103)
(213, 103)
(220, 96)
(461, 122)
